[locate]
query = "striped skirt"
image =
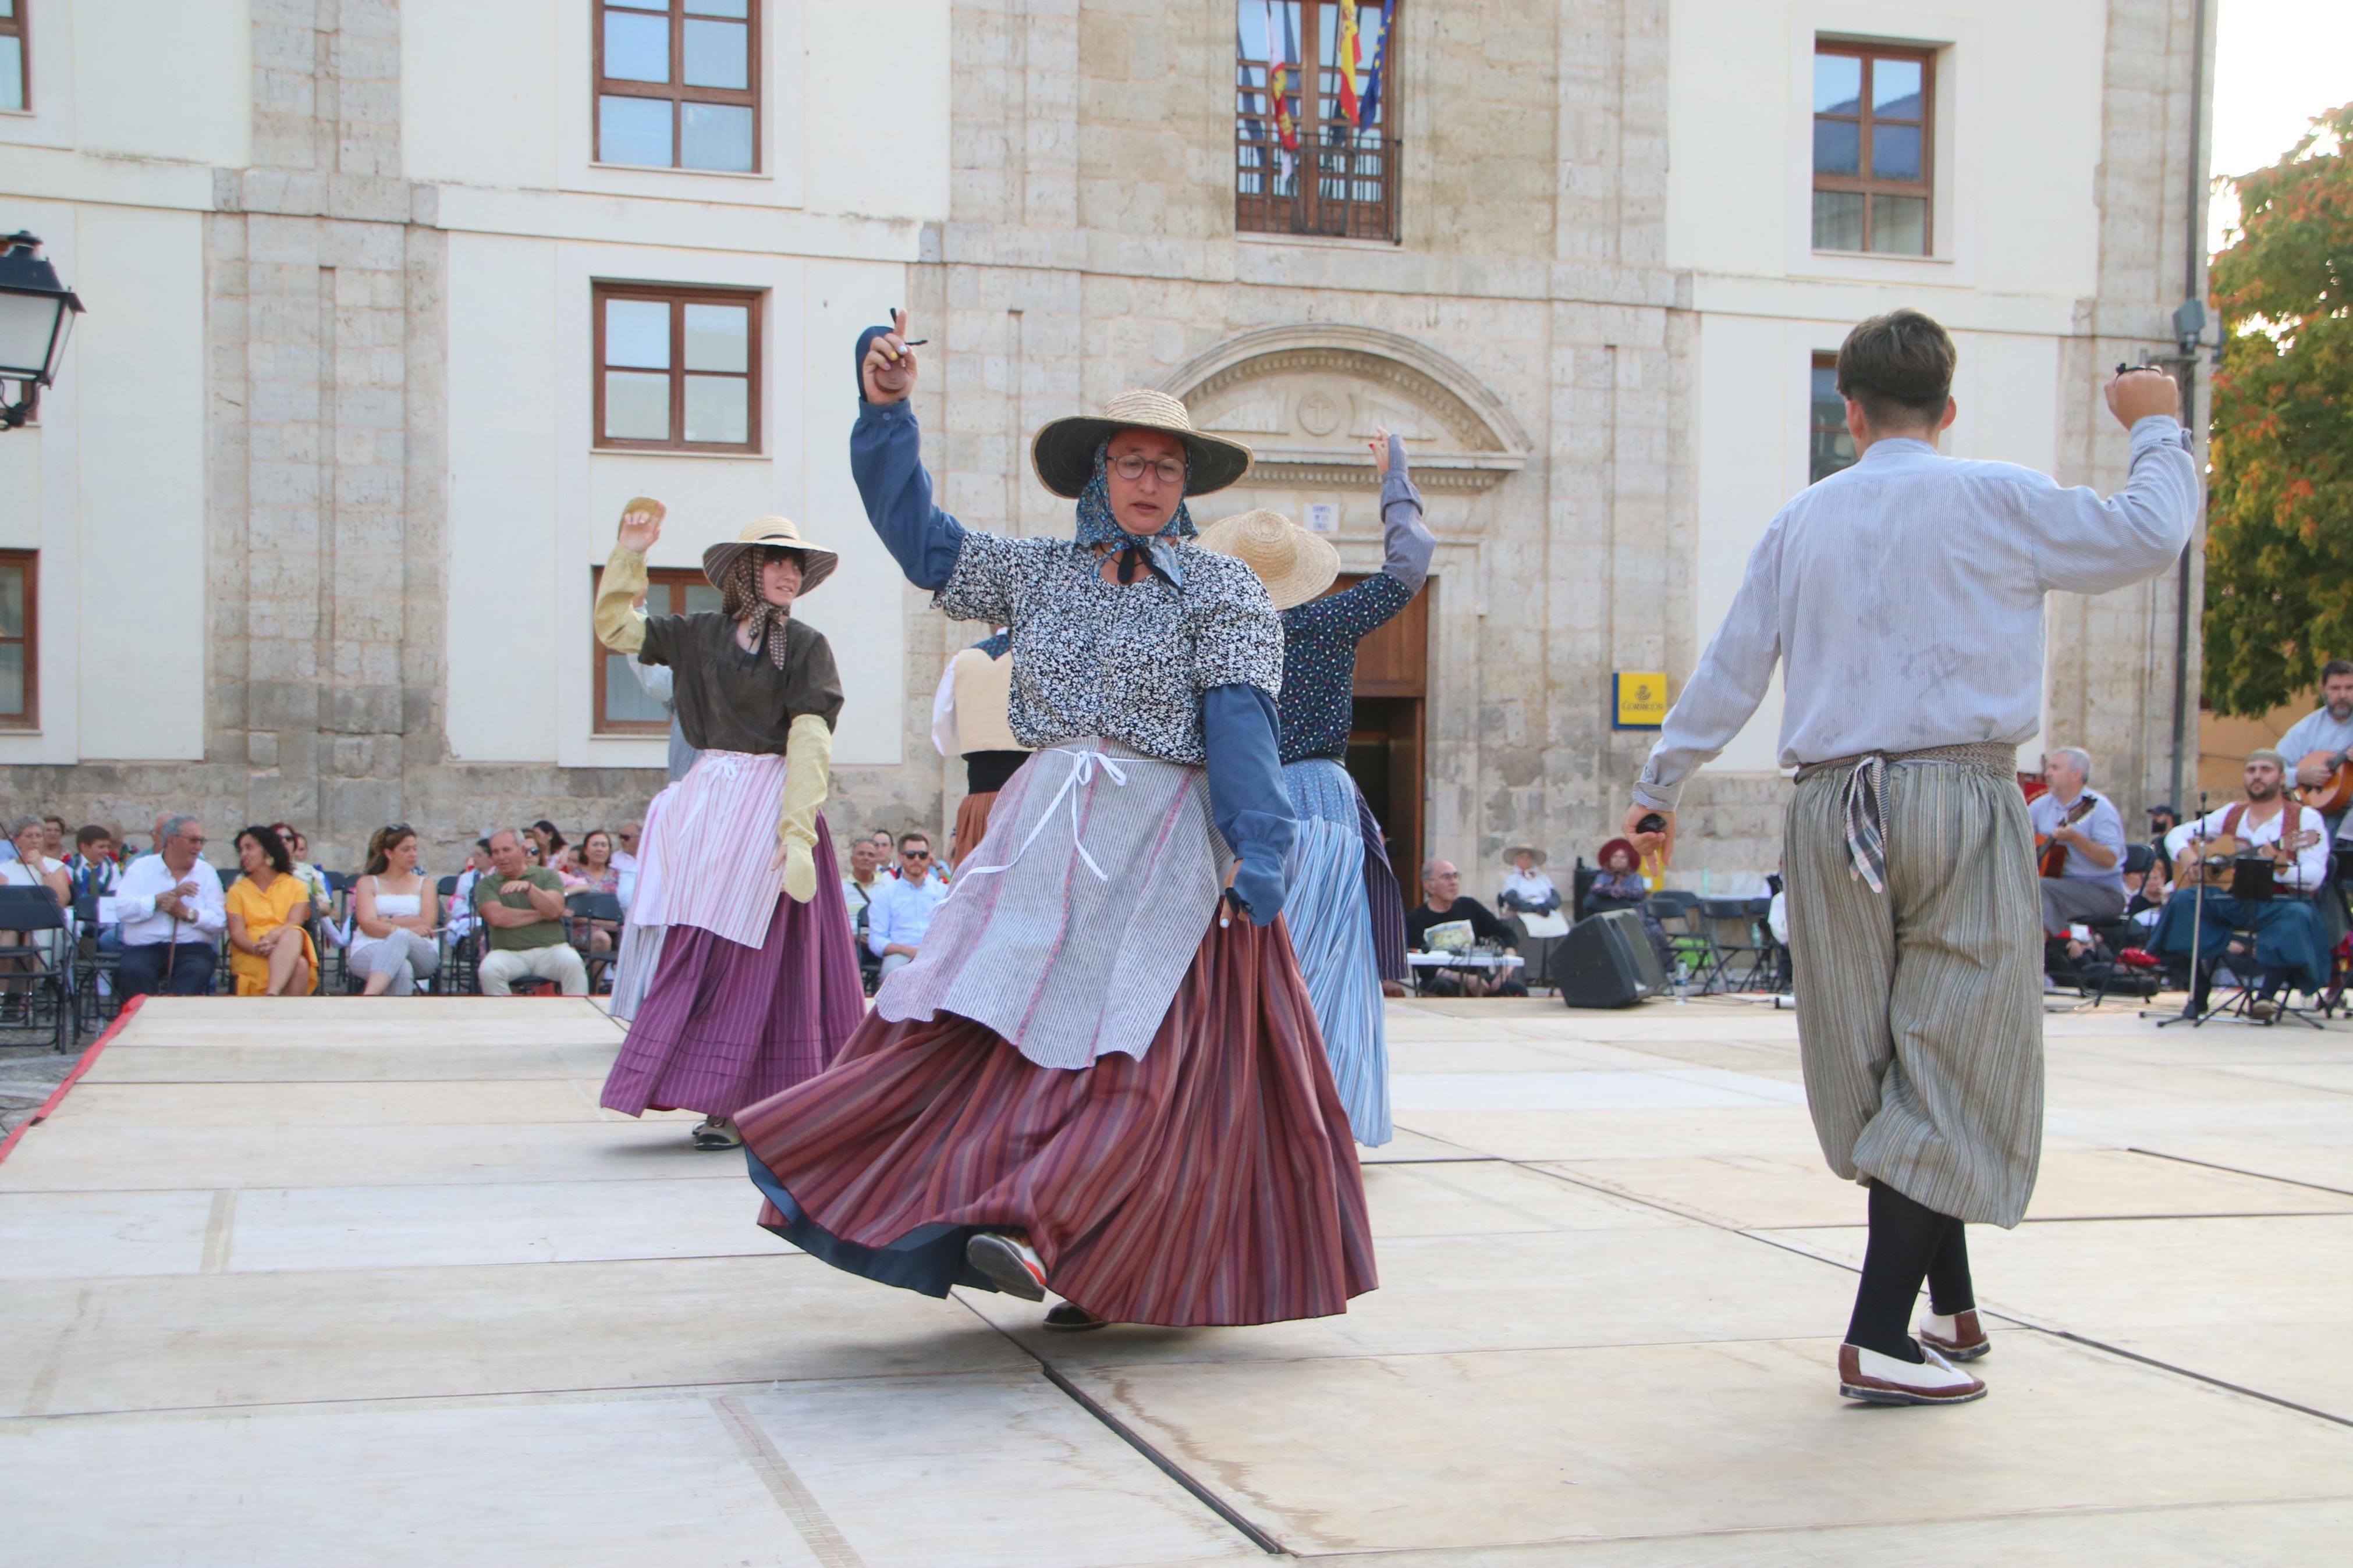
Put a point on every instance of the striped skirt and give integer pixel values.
(1331, 923)
(1208, 1180)
(971, 826)
(735, 1009)
(1920, 1008)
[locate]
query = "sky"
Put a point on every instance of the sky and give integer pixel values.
(2277, 64)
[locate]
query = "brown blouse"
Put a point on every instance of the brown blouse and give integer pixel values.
(732, 698)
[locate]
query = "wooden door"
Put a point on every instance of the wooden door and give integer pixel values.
(1385, 750)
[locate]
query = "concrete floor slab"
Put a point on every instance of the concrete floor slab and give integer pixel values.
(414, 1062)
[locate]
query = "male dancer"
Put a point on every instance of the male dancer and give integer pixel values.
(1904, 598)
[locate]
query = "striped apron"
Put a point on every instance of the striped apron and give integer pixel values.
(1331, 926)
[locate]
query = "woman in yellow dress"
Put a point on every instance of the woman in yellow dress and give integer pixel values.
(270, 952)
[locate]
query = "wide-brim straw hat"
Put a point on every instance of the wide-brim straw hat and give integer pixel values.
(1516, 850)
(1064, 452)
(770, 534)
(1294, 564)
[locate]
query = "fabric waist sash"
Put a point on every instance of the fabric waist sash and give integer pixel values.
(1865, 805)
(708, 848)
(1070, 929)
(986, 772)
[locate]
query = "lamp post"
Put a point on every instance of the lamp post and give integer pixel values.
(37, 313)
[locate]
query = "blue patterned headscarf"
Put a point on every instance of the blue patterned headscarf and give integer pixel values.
(997, 645)
(1098, 526)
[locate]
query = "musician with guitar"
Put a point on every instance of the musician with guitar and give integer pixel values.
(2317, 744)
(2207, 855)
(2079, 842)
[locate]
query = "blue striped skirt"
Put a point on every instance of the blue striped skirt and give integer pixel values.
(1331, 928)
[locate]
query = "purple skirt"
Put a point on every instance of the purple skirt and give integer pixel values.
(725, 1025)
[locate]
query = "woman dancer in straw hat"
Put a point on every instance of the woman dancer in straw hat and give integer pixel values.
(1099, 1075)
(1343, 891)
(756, 986)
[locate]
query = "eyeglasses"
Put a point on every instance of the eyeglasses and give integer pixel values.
(1131, 465)
(914, 854)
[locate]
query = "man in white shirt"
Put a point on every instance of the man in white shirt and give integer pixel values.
(2289, 943)
(172, 914)
(1903, 598)
(898, 911)
(624, 845)
(2090, 886)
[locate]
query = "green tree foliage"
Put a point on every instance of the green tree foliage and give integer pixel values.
(2279, 551)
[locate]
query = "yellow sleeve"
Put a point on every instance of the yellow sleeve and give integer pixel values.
(620, 625)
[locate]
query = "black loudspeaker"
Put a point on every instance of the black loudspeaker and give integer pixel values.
(1606, 961)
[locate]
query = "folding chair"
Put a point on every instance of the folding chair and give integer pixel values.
(33, 982)
(581, 911)
(1742, 949)
(1677, 913)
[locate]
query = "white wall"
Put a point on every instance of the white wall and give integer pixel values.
(163, 78)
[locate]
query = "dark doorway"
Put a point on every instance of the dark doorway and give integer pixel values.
(1385, 738)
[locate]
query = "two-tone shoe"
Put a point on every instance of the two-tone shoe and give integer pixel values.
(1010, 1264)
(1877, 1379)
(1958, 1337)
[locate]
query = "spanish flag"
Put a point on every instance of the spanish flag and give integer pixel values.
(1278, 87)
(1351, 62)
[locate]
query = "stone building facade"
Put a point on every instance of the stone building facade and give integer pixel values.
(369, 465)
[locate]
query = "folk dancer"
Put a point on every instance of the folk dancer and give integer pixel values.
(757, 985)
(1101, 1074)
(1903, 598)
(2291, 942)
(969, 723)
(1340, 887)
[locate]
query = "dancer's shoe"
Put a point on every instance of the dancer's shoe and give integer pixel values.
(1957, 1338)
(1070, 1318)
(717, 1133)
(1877, 1379)
(1010, 1263)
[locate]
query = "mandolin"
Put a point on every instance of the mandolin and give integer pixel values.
(2051, 854)
(2334, 795)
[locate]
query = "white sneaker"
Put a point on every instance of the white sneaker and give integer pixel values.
(1010, 1264)
(1877, 1379)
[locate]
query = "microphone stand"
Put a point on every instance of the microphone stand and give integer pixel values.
(2194, 1015)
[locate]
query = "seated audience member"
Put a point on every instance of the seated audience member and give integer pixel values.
(268, 908)
(460, 917)
(297, 851)
(898, 914)
(2144, 885)
(543, 837)
(394, 921)
(53, 840)
(2088, 841)
(2162, 821)
(625, 838)
(1443, 902)
(522, 905)
(1621, 887)
(2289, 945)
(172, 911)
(92, 870)
(863, 880)
(592, 871)
(883, 856)
(1527, 890)
(33, 866)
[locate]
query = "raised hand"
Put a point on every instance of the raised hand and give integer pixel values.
(1379, 447)
(642, 524)
(2138, 391)
(889, 372)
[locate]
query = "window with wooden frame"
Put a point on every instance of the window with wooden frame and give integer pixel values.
(1829, 446)
(624, 707)
(20, 639)
(15, 66)
(1313, 151)
(678, 84)
(1872, 156)
(677, 369)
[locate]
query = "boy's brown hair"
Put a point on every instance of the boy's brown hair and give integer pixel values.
(1899, 366)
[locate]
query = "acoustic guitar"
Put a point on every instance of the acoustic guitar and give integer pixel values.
(2208, 861)
(2051, 854)
(2336, 794)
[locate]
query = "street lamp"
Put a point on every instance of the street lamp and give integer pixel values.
(37, 312)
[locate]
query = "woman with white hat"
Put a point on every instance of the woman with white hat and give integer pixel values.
(1343, 890)
(1101, 1075)
(738, 933)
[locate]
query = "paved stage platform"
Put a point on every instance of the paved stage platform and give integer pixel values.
(350, 1282)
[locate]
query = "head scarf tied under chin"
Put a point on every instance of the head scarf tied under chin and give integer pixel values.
(1137, 553)
(741, 600)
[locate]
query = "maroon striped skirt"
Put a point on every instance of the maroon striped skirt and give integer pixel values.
(1211, 1181)
(724, 1026)
(971, 826)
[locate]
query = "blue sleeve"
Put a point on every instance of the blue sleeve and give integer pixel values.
(1246, 794)
(886, 459)
(878, 921)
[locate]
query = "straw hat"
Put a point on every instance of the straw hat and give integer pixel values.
(1294, 564)
(770, 533)
(1064, 451)
(1512, 855)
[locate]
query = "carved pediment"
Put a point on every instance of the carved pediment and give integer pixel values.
(1307, 399)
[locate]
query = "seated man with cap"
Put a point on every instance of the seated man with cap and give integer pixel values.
(2208, 855)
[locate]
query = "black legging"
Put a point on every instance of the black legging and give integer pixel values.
(1908, 1242)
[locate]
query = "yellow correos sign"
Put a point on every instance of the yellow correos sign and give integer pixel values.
(1641, 698)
